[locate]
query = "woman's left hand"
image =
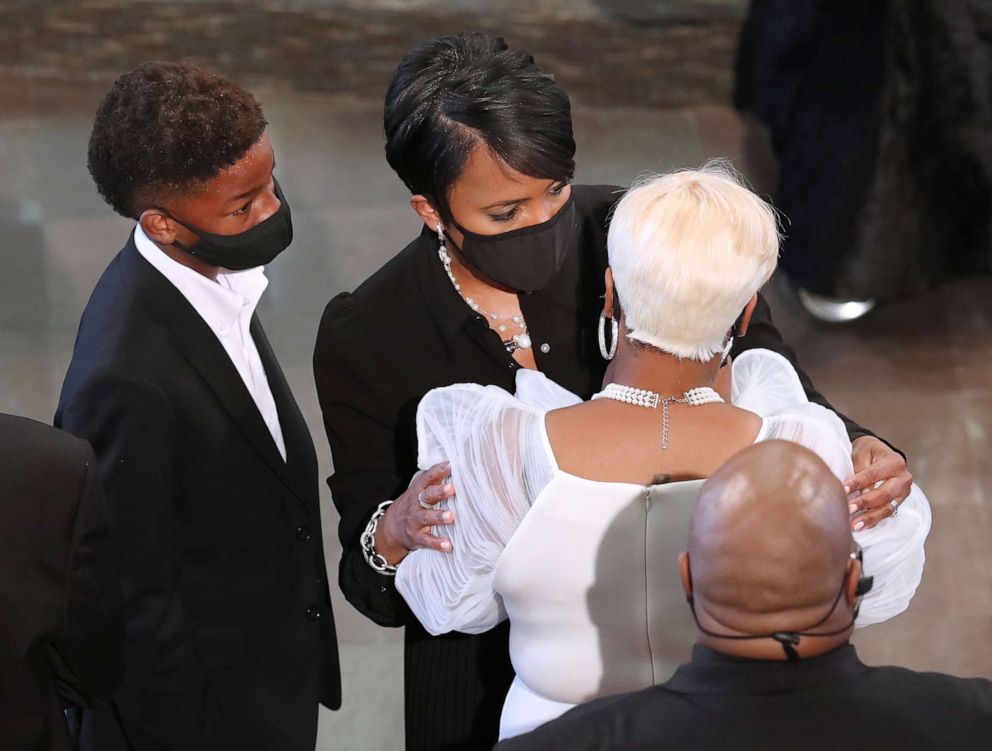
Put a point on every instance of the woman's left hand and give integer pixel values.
(875, 464)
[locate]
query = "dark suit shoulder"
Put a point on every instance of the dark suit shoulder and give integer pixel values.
(39, 454)
(118, 335)
(384, 305)
(886, 705)
(398, 275)
(915, 690)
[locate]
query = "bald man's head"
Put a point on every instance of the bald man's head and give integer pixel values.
(770, 542)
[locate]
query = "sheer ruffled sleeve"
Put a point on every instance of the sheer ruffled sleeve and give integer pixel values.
(499, 465)
(766, 383)
(539, 391)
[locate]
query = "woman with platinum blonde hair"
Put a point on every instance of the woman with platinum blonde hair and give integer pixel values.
(570, 514)
(689, 250)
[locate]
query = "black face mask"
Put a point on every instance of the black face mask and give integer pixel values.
(525, 259)
(257, 246)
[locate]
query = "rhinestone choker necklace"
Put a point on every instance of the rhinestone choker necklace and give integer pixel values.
(651, 399)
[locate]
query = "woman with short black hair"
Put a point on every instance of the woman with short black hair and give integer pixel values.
(506, 274)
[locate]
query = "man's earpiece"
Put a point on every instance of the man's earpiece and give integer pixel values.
(865, 583)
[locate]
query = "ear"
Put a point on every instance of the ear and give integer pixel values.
(426, 211)
(158, 227)
(746, 315)
(685, 572)
(608, 297)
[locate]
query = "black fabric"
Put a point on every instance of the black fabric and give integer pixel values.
(525, 259)
(217, 540)
(257, 246)
(828, 702)
(881, 120)
(379, 350)
(61, 617)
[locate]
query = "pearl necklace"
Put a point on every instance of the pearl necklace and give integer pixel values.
(516, 341)
(651, 399)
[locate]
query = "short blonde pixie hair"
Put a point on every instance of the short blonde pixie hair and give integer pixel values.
(688, 249)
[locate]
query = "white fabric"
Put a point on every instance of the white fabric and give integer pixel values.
(585, 570)
(764, 381)
(226, 306)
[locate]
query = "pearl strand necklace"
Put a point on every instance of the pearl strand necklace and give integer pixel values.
(651, 399)
(516, 341)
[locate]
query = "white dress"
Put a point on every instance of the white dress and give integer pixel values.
(586, 570)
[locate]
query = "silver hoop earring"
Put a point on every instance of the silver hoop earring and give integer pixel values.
(726, 351)
(608, 354)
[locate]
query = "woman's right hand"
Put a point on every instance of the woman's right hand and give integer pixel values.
(406, 525)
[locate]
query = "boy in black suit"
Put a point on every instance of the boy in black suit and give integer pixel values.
(61, 632)
(208, 466)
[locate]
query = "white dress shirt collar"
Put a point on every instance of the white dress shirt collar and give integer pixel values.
(226, 306)
(220, 303)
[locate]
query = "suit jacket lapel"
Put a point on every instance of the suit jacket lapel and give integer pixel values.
(300, 454)
(191, 336)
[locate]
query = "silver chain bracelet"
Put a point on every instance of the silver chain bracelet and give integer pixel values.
(367, 541)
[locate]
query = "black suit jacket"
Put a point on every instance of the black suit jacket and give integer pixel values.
(830, 702)
(379, 350)
(230, 638)
(61, 626)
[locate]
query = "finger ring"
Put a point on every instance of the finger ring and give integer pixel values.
(425, 504)
(895, 507)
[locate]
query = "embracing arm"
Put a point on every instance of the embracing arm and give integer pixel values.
(763, 333)
(484, 434)
(881, 476)
(371, 464)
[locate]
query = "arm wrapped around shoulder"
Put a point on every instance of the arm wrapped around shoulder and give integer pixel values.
(767, 384)
(497, 467)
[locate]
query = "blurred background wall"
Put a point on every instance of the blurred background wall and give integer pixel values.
(669, 53)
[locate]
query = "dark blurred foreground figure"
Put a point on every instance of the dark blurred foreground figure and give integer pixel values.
(61, 627)
(206, 461)
(772, 667)
(881, 119)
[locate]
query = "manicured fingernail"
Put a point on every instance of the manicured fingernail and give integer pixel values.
(847, 489)
(446, 516)
(853, 508)
(449, 488)
(445, 545)
(858, 527)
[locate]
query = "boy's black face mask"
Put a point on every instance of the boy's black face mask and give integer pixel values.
(257, 246)
(525, 259)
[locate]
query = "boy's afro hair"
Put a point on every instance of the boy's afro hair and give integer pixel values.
(165, 128)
